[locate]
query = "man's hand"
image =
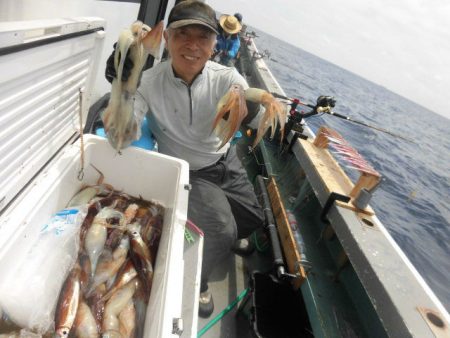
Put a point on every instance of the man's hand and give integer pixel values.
(110, 71)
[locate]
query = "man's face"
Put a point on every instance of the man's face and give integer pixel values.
(190, 47)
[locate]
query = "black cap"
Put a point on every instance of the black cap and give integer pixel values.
(191, 12)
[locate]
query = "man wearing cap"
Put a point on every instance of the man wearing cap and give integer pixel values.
(228, 42)
(179, 97)
(238, 16)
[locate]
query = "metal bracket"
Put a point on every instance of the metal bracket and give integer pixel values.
(177, 327)
(294, 139)
(305, 264)
(285, 276)
(334, 196)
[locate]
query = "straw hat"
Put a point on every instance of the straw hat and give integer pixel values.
(230, 24)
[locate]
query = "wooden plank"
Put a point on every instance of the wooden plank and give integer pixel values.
(288, 243)
(321, 141)
(365, 181)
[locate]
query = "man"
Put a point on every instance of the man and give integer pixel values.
(238, 16)
(179, 97)
(228, 42)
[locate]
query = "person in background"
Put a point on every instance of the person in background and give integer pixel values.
(238, 16)
(228, 42)
(179, 97)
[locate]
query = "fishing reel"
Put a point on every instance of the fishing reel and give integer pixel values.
(258, 55)
(251, 34)
(324, 103)
(295, 123)
(296, 118)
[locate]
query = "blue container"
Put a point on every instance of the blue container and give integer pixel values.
(146, 141)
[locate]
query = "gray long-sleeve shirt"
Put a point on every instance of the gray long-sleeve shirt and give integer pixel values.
(181, 116)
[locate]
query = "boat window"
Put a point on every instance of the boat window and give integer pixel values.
(151, 12)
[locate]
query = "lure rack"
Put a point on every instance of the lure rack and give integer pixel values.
(321, 152)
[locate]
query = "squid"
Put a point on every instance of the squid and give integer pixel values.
(127, 320)
(85, 324)
(87, 193)
(142, 259)
(115, 305)
(232, 110)
(67, 306)
(126, 273)
(118, 119)
(130, 213)
(97, 305)
(96, 235)
(85, 273)
(108, 267)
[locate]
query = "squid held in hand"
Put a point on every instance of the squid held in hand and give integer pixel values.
(275, 113)
(232, 110)
(139, 41)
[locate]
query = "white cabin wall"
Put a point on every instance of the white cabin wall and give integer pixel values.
(118, 15)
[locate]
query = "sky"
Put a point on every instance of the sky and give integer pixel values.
(403, 45)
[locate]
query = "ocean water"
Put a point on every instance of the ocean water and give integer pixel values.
(413, 199)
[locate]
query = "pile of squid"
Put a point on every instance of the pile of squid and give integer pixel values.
(106, 292)
(232, 110)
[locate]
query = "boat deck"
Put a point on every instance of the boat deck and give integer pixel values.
(227, 282)
(232, 277)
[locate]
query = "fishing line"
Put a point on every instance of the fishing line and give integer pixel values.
(319, 108)
(80, 114)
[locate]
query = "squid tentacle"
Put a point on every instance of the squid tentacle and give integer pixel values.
(275, 112)
(231, 111)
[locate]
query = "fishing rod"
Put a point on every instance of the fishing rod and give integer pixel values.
(325, 105)
(279, 62)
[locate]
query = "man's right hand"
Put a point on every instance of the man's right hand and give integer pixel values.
(110, 71)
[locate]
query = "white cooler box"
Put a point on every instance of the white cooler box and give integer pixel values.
(42, 70)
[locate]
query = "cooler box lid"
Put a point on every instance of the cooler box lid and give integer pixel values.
(44, 66)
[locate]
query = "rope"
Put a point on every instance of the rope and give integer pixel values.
(80, 113)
